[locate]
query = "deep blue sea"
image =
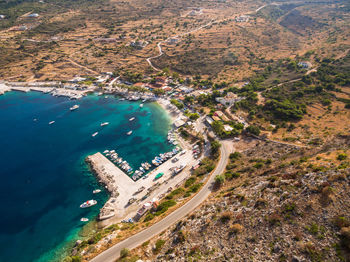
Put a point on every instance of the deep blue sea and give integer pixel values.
(43, 175)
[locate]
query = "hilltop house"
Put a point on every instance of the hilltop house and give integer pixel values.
(139, 44)
(305, 65)
(2, 17)
(173, 40)
(33, 15)
(228, 100)
(242, 18)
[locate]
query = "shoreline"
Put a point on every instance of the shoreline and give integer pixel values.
(122, 188)
(52, 88)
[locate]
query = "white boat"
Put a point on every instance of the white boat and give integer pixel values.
(131, 119)
(96, 191)
(94, 134)
(105, 123)
(84, 219)
(88, 203)
(74, 108)
(129, 133)
(50, 123)
(141, 105)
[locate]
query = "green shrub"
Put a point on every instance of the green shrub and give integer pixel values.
(124, 252)
(163, 207)
(219, 180)
(149, 217)
(158, 246)
(178, 104)
(76, 258)
(342, 156)
(190, 181)
(254, 130)
(177, 191)
(194, 188)
(230, 175)
(313, 229)
(258, 165)
(235, 155)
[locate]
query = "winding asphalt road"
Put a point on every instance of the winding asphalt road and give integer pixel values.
(111, 254)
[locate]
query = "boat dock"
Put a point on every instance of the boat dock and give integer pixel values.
(52, 88)
(124, 200)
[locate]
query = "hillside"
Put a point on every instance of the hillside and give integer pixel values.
(285, 204)
(98, 36)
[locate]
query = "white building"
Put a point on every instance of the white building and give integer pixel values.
(2, 17)
(139, 44)
(34, 15)
(242, 18)
(228, 128)
(304, 65)
(228, 100)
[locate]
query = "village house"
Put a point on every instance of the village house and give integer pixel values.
(216, 118)
(77, 79)
(242, 18)
(228, 100)
(173, 40)
(228, 128)
(139, 44)
(33, 15)
(209, 120)
(305, 65)
(221, 115)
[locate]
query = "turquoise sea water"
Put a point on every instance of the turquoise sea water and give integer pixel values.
(43, 175)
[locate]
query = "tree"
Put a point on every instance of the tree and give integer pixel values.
(178, 104)
(194, 116)
(219, 180)
(254, 130)
(215, 145)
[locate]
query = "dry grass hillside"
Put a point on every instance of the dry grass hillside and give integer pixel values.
(69, 38)
(282, 203)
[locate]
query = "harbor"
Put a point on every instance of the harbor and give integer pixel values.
(53, 88)
(127, 196)
(143, 170)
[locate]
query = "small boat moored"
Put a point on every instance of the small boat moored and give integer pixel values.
(88, 203)
(94, 134)
(84, 219)
(159, 175)
(50, 123)
(105, 124)
(131, 119)
(74, 107)
(96, 191)
(129, 133)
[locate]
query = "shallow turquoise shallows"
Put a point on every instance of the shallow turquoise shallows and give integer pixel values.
(44, 178)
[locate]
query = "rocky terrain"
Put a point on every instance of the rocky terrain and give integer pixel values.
(282, 203)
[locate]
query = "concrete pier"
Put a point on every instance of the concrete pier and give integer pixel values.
(122, 188)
